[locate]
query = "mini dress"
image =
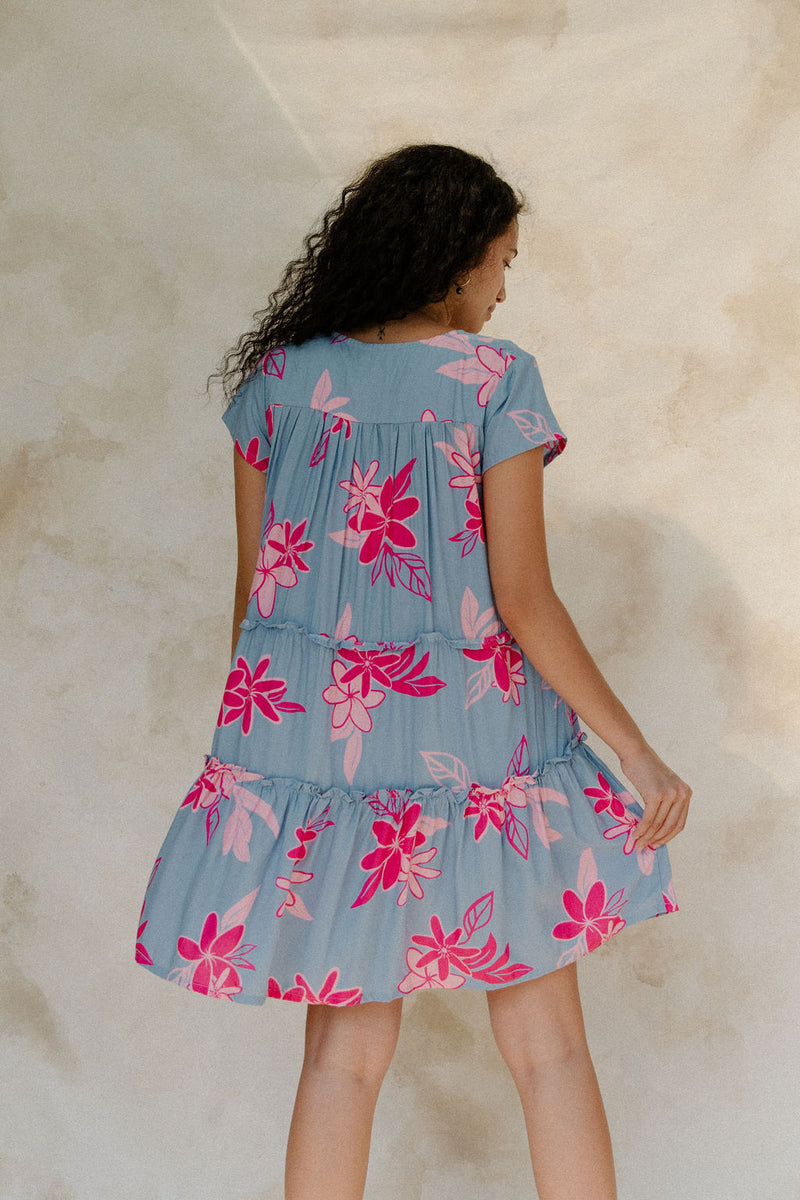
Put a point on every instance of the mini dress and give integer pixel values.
(394, 798)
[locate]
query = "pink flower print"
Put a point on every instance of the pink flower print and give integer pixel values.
(469, 472)
(246, 690)
(253, 454)
(506, 663)
(349, 700)
(495, 806)
(387, 523)
(625, 822)
(413, 869)
(218, 955)
(274, 363)
(364, 494)
(272, 572)
(486, 367)
(597, 917)
(328, 993)
(290, 544)
(426, 975)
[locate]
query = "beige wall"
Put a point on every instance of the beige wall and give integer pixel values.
(163, 161)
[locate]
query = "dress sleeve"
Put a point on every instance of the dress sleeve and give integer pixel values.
(519, 417)
(247, 421)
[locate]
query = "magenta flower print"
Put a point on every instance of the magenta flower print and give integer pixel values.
(387, 523)
(594, 916)
(350, 702)
(503, 670)
(252, 454)
(378, 529)
(328, 993)
(488, 806)
(214, 961)
(398, 855)
(625, 824)
(217, 780)
(442, 959)
(247, 690)
(485, 365)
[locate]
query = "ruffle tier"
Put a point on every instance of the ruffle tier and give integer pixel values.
(278, 888)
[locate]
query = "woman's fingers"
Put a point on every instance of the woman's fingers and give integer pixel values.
(664, 817)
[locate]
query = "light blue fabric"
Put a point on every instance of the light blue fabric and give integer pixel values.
(394, 798)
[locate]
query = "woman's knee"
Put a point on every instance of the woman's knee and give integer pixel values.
(538, 1022)
(357, 1040)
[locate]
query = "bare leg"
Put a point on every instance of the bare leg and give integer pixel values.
(539, 1030)
(347, 1054)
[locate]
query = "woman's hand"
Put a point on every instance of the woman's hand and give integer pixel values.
(665, 796)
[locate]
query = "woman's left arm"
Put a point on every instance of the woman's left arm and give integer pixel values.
(250, 486)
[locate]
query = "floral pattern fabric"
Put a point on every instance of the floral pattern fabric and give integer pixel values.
(394, 799)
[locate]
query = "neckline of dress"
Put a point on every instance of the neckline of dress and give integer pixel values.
(410, 342)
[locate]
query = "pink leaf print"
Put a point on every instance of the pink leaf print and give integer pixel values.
(348, 538)
(478, 685)
(239, 912)
(532, 425)
(343, 625)
(479, 913)
(428, 415)
(473, 624)
(258, 806)
(450, 341)
(538, 796)
(587, 872)
(237, 833)
(506, 665)
(352, 754)
(274, 363)
(447, 770)
(668, 896)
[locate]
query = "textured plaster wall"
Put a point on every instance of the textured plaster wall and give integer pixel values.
(162, 163)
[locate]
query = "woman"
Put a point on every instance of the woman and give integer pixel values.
(399, 794)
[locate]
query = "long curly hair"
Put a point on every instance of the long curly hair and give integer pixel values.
(403, 233)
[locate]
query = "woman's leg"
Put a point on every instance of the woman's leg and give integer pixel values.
(538, 1027)
(347, 1054)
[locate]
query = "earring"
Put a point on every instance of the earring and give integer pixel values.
(460, 286)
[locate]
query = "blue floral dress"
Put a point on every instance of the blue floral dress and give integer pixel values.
(394, 798)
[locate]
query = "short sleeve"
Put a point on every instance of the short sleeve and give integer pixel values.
(519, 417)
(247, 421)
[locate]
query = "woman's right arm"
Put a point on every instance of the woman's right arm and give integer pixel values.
(250, 489)
(513, 507)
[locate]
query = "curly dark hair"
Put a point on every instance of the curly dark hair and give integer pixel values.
(413, 223)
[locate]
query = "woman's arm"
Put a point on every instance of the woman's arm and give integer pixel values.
(513, 504)
(249, 486)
